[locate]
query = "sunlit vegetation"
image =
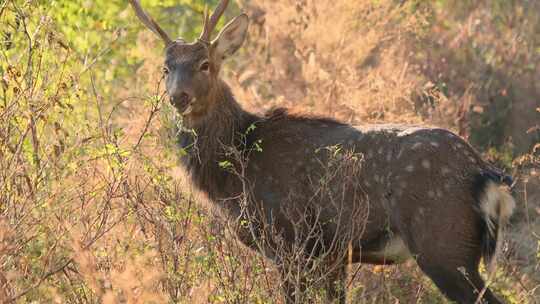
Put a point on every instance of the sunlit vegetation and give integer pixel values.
(94, 209)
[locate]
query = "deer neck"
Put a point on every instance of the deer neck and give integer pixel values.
(205, 142)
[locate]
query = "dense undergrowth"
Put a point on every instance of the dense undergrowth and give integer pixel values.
(93, 208)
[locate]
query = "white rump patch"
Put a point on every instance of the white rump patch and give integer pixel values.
(496, 204)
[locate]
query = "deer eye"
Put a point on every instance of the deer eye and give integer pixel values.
(205, 66)
(165, 70)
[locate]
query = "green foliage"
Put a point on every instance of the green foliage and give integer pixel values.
(65, 68)
(225, 164)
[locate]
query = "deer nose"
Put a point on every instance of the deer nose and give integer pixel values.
(181, 99)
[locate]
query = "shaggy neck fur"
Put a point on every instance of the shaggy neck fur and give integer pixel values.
(206, 140)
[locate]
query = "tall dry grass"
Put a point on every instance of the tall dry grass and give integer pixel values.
(94, 210)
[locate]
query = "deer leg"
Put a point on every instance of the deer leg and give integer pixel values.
(452, 259)
(459, 285)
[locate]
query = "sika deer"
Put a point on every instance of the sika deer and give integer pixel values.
(394, 191)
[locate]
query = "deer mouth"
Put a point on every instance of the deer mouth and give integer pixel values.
(183, 104)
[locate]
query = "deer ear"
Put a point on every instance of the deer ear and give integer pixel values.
(231, 37)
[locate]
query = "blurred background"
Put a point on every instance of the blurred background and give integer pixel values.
(93, 208)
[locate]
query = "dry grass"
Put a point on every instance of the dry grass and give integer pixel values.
(93, 209)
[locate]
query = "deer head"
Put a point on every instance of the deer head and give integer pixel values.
(192, 69)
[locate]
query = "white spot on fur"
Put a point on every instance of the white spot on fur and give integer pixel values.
(409, 168)
(416, 145)
(434, 144)
(380, 150)
(426, 164)
(472, 159)
(394, 250)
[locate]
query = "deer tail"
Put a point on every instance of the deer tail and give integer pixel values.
(495, 206)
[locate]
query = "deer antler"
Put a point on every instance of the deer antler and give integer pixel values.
(210, 23)
(149, 22)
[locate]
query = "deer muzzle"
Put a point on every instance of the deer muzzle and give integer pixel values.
(183, 103)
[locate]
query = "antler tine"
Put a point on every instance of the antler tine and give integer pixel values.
(203, 36)
(210, 24)
(149, 22)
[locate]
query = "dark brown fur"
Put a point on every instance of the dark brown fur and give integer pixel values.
(445, 233)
